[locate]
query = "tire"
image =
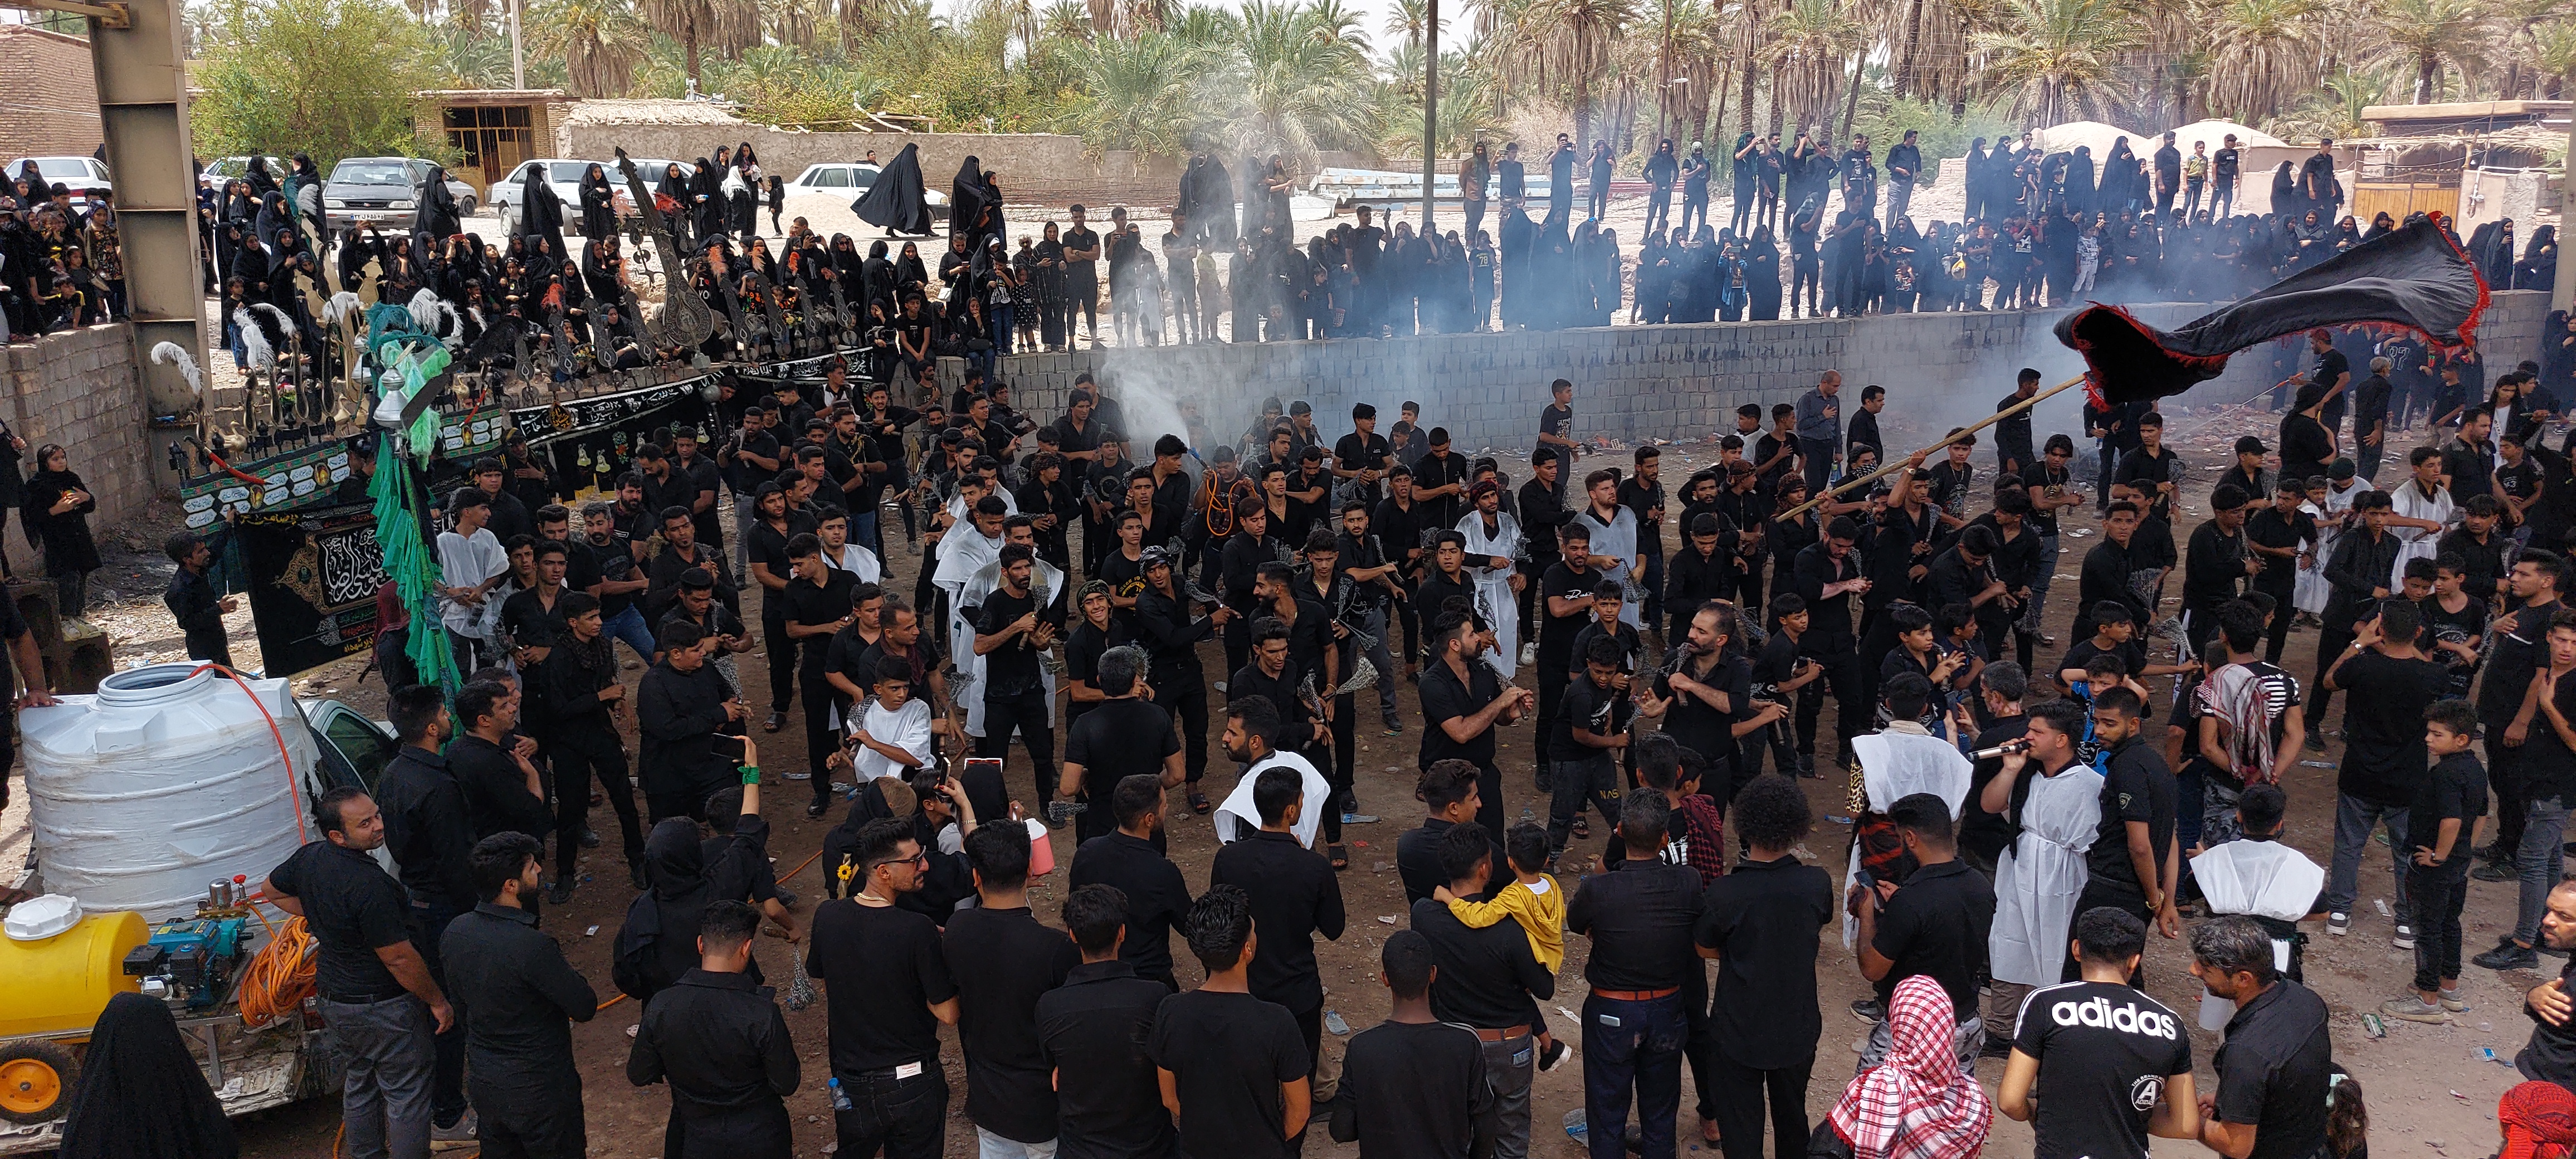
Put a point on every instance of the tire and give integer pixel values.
(36, 1080)
(465, 207)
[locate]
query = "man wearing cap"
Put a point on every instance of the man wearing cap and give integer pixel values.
(2249, 475)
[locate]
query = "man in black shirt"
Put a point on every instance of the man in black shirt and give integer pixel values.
(370, 976)
(2370, 419)
(2550, 1056)
(1004, 962)
(2520, 647)
(1132, 737)
(1129, 859)
(503, 792)
(2383, 754)
(2154, 467)
(681, 707)
(2217, 564)
(1763, 923)
(583, 702)
(1639, 919)
(526, 1089)
(1233, 1070)
(1012, 629)
(1414, 1086)
(429, 832)
(1463, 700)
(718, 1038)
(2274, 1071)
(1565, 599)
(1826, 576)
(1294, 896)
(1091, 1031)
(2096, 1065)
(1448, 794)
(889, 988)
(1935, 924)
(2135, 859)
(1488, 980)
(1362, 457)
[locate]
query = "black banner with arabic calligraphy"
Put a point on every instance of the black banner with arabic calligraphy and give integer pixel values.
(313, 575)
(633, 411)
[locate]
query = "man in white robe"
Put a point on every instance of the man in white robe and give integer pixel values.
(2419, 510)
(2053, 801)
(2260, 877)
(842, 555)
(1493, 539)
(1615, 553)
(1901, 760)
(965, 550)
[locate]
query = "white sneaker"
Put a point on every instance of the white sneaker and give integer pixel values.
(2339, 924)
(1529, 653)
(2405, 939)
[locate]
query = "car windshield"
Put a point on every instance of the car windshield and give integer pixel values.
(565, 172)
(372, 173)
(58, 167)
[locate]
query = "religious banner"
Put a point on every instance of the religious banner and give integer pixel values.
(312, 577)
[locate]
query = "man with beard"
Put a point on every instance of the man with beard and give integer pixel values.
(2277, 1063)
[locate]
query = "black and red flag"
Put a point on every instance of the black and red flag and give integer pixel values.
(2413, 277)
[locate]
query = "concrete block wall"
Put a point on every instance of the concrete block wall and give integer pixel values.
(80, 388)
(1638, 382)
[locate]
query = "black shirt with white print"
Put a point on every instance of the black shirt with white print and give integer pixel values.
(2105, 1052)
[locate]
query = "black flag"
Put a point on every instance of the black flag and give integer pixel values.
(2413, 277)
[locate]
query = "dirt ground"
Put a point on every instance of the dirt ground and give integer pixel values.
(2430, 1090)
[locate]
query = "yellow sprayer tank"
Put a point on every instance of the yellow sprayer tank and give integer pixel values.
(62, 983)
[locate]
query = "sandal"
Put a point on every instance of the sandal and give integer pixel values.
(1582, 831)
(1340, 856)
(1198, 802)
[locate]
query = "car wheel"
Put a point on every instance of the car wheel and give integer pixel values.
(465, 207)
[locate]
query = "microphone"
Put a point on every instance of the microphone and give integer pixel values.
(2008, 748)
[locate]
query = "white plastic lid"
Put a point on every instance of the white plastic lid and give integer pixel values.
(40, 918)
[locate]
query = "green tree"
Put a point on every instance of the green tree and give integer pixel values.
(2261, 53)
(2057, 58)
(2429, 36)
(333, 78)
(599, 42)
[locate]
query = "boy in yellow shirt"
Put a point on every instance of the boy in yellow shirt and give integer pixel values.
(1534, 900)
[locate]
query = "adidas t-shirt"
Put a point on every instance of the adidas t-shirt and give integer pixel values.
(2104, 1053)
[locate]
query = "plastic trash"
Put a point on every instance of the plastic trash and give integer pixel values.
(840, 1098)
(1333, 1022)
(1576, 1127)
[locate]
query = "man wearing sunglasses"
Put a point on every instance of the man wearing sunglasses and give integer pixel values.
(889, 988)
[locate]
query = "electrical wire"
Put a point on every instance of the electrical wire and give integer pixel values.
(279, 977)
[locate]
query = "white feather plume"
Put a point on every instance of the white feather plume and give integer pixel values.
(166, 353)
(341, 306)
(255, 347)
(426, 310)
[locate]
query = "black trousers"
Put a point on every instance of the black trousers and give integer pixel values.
(782, 655)
(902, 1118)
(1181, 691)
(578, 753)
(1740, 1093)
(2277, 636)
(514, 1122)
(1851, 708)
(2331, 641)
(2120, 896)
(819, 740)
(2512, 803)
(1026, 713)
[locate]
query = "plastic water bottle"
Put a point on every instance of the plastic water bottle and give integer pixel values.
(840, 1098)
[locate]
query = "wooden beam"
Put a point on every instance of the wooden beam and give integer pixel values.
(109, 14)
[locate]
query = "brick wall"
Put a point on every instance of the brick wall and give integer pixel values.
(49, 92)
(1638, 382)
(79, 388)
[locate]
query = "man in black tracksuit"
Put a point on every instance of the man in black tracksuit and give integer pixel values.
(717, 1037)
(578, 690)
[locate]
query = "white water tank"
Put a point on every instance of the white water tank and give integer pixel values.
(162, 782)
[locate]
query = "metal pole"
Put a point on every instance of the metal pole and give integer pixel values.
(1946, 440)
(1431, 108)
(518, 57)
(2563, 290)
(143, 110)
(1664, 72)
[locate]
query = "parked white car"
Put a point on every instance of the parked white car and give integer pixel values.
(565, 177)
(222, 170)
(853, 179)
(79, 175)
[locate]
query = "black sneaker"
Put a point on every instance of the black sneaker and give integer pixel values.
(589, 837)
(1996, 1048)
(814, 812)
(2508, 956)
(2493, 871)
(560, 893)
(635, 874)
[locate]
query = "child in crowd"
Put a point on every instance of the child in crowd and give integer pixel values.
(2441, 828)
(1535, 901)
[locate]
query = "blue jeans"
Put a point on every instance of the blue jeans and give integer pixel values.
(863, 531)
(2354, 820)
(991, 1146)
(1632, 1045)
(2538, 860)
(629, 625)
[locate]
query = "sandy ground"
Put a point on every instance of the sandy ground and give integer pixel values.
(2430, 1092)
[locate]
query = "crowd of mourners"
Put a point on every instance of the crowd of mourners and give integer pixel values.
(2018, 834)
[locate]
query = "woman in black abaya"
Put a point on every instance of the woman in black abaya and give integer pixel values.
(2538, 269)
(1762, 276)
(680, 197)
(56, 519)
(706, 200)
(140, 1092)
(2286, 202)
(598, 204)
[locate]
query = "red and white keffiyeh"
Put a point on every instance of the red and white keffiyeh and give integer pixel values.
(1916, 1104)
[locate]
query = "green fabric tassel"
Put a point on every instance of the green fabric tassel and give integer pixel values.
(413, 567)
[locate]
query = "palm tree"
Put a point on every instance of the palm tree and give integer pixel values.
(2557, 58)
(1065, 20)
(2334, 109)
(1409, 19)
(1577, 43)
(1139, 90)
(1300, 78)
(1809, 50)
(2428, 34)
(2058, 58)
(2523, 20)
(600, 42)
(2261, 52)
(726, 26)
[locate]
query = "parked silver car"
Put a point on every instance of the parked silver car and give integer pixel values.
(384, 191)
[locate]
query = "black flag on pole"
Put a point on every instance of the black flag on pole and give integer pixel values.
(2414, 277)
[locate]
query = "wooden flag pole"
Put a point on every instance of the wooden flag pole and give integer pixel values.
(1946, 440)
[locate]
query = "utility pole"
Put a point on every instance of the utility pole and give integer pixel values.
(518, 57)
(1431, 107)
(1664, 72)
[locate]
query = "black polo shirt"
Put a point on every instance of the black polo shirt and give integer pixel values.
(1639, 919)
(1417, 1091)
(1765, 921)
(882, 969)
(1012, 669)
(1936, 926)
(1445, 697)
(2273, 1070)
(1157, 897)
(1295, 896)
(1417, 859)
(354, 908)
(1091, 1031)
(518, 997)
(2136, 786)
(1003, 962)
(1488, 978)
(812, 605)
(1116, 739)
